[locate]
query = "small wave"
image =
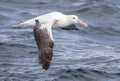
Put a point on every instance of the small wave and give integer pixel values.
(104, 30)
(85, 74)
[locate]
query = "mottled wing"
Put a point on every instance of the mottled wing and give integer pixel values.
(44, 41)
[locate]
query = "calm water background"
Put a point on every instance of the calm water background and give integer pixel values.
(87, 54)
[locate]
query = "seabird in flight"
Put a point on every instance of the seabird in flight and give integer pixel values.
(43, 32)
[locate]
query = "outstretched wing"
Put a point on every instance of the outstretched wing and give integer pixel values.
(44, 41)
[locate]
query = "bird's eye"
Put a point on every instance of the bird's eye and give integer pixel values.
(73, 17)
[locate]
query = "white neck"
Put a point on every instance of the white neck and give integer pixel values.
(63, 22)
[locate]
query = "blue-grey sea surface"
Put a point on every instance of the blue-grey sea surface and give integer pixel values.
(87, 54)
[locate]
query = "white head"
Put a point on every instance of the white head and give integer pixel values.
(74, 19)
(66, 20)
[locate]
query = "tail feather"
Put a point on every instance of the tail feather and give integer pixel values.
(18, 25)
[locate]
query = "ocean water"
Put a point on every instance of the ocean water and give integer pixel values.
(86, 54)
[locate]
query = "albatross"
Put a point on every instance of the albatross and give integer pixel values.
(43, 32)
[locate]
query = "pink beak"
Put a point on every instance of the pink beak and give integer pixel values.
(82, 23)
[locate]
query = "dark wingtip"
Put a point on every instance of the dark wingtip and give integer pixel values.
(46, 65)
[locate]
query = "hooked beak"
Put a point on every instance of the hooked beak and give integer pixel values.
(82, 23)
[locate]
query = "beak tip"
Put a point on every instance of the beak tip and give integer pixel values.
(82, 23)
(86, 25)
